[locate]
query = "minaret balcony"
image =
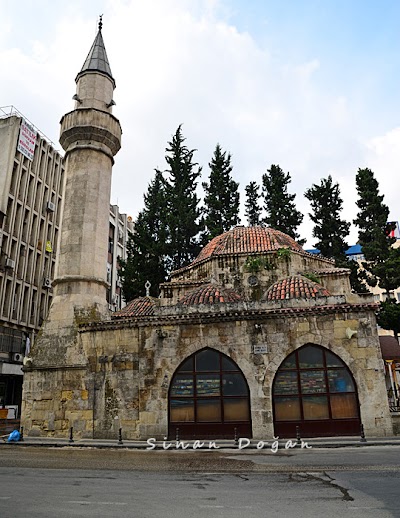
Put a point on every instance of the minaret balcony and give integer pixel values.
(91, 128)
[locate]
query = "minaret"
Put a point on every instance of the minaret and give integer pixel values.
(90, 136)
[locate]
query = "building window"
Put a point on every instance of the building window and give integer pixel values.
(314, 390)
(209, 396)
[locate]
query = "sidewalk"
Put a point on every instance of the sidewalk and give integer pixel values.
(243, 445)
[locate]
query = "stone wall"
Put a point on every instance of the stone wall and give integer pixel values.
(130, 366)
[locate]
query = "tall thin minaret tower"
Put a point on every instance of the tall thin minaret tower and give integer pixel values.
(90, 136)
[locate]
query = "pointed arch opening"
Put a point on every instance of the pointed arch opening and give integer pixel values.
(209, 398)
(314, 390)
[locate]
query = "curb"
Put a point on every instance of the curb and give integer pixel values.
(222, 446)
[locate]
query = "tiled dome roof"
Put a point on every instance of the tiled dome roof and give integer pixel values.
(209, 294)
(295, 287)
(140, 307)
(248, 240)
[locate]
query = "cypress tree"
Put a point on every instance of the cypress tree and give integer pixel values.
(183, 212)
(382, 261)
(221, 200)
(253, 209)
(329, 229)
(281, 212)
(146, 247)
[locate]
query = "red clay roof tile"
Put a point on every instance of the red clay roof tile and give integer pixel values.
(140, 307)
(209, 294)
(296, 287)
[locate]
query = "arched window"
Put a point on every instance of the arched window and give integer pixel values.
(314, 390)
(209, 398)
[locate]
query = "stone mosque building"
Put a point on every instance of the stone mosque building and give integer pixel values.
(254, 338)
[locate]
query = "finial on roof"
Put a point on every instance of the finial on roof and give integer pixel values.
(101, 22)
(147, 286)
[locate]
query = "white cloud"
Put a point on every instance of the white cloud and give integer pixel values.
(178, 62)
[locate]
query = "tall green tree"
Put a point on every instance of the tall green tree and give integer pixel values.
(388, 316)
(281, 212)
(221, 200)
(382, 261)
(253, 208)
(146, 247)
(329, 229)
(184, 224)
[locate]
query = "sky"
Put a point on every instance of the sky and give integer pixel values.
(311, 85)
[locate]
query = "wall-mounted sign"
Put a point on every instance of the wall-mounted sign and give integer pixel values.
(260, 349)
(27, 140)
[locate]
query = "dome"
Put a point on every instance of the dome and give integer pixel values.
(140, 307)
(295, 287)
(247, 240)
(209, 294)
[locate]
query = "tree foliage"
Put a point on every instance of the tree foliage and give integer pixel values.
(388, 316)
(253, 209)
(146, 247)
(382, 261)
(182, 203)
(329, 229)
(221, 200)
(281, 212)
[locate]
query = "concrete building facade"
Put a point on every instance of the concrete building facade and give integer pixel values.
(31, 189)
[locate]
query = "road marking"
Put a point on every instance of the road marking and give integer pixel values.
(88, 502)
(5, 497)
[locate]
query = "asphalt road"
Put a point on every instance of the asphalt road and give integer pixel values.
(128, 483)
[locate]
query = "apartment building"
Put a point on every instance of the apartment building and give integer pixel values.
(31, 187)
(121, 225)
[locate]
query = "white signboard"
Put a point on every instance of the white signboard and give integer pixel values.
(27, 140)
(260, 349)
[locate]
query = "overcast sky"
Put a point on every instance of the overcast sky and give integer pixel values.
(311, 85)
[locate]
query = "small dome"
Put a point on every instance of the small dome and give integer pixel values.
(140, 307)
(295, 287)
(209, 294)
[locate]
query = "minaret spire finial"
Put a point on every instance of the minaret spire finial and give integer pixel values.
(101, 22)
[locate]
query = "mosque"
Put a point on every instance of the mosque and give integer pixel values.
(255, 338)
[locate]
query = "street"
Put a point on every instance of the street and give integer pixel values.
(68, 482)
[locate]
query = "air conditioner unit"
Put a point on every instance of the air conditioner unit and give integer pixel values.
(46, 283)
(114, 299)
(17, 357)
(119, 283)
(50, 207)
(10, 264)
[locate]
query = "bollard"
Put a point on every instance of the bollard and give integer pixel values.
(71, 435)
(177, 434)
(363, 439)
(298, 438)
(21, 433)
(120, 436)
(236, 438)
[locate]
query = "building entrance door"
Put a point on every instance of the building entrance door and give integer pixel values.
(314, 390)
(209, 398)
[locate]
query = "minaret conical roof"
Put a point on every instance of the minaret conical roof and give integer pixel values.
(97, 60)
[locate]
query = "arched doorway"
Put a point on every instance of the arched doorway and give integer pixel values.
(314, 390)
(209, 398)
